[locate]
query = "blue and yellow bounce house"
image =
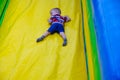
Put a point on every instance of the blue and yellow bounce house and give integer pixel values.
(92, 52)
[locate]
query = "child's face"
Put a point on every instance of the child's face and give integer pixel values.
(54, 12)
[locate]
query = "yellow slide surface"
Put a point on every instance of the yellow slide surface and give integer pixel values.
(21, 58)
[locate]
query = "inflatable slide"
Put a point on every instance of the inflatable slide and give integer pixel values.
(21, 58)
(92, 52)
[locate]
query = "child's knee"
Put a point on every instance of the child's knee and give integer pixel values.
(48, 32)
(62, 33)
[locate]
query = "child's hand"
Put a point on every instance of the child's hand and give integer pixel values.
(50, 21)
(67, 18)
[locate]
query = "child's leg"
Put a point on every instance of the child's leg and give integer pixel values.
(46, 33)
(43, 36)
(64, 38)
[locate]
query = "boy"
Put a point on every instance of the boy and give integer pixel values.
(57, 21)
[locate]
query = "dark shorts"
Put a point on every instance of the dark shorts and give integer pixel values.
(56, 27)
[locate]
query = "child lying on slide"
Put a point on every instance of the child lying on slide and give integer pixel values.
(57, 25)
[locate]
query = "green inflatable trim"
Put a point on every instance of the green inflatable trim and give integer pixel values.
(3, 7)
(95, 59)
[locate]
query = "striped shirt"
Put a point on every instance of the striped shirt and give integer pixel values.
(57, 19)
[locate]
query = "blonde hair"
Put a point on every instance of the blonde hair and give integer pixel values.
(56, 9)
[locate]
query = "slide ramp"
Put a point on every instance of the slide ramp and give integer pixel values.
(21, 58)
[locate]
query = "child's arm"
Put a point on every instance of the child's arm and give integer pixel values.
(66, 18)
(50, 21)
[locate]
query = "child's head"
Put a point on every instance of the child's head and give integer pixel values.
(55, 11)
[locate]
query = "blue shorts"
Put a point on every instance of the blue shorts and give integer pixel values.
(56, 27)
